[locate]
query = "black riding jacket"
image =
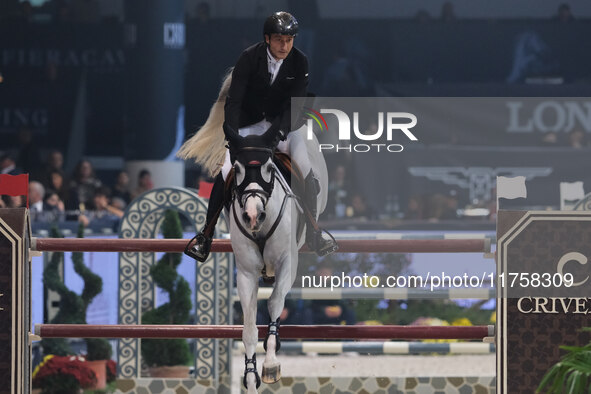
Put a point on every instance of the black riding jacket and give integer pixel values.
(252, 98)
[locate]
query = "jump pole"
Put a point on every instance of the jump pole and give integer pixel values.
(235, 331)
(224, 245)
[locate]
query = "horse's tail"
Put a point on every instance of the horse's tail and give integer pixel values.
(207, 146)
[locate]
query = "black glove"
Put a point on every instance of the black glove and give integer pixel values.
(277, 137)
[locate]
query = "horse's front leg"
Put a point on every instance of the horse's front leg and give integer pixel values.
(247, 283)
(284, 280)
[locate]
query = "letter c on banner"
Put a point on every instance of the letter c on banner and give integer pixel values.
(576, 256)
(520, 306)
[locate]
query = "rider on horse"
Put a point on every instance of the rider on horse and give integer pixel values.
(266, 76)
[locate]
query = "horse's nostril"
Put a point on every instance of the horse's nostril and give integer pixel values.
(262, 216)
(245, 217)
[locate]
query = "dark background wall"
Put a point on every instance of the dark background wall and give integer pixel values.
(43, 67)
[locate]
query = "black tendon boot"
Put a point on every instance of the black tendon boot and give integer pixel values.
(316, 238)
(273, 329)
(202, 246)
(252, 361)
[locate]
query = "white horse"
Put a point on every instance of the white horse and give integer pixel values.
(263, 219)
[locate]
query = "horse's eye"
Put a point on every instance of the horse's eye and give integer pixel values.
(269, 168)
(237, 170)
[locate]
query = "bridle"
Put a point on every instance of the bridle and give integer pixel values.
(253, 166)
(264, 193)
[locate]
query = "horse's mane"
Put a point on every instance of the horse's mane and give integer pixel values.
(207, 146)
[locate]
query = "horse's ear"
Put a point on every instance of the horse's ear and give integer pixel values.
(232, 135)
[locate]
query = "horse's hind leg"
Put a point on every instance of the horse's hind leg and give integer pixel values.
(247, 284)
(271, 365)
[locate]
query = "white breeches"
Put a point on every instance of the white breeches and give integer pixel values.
(294, 146)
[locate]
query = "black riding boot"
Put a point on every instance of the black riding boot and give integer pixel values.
(200, 250)
(315, 237)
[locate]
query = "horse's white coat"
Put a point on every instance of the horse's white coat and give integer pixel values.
(280, 256)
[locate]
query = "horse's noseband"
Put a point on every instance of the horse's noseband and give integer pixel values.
(263, 195)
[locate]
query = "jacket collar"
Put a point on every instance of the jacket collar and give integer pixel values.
(264, 68)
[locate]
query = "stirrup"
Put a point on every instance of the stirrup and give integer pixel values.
(252, 361)
(323, 246)
(200, 249)
(275, 324)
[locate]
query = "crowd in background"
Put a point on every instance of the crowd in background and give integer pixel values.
(56, 195)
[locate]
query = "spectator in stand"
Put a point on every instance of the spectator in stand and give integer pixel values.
(54, 210)
(144, 183)
(8, 164)
(57, 183)
(104, 215)
(55, 162)
(82, 187)
(37, 208)
(360, 209)
(121, 188)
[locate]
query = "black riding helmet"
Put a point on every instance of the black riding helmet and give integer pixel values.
(281, 23)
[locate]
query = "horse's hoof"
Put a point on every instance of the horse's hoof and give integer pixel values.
(269, 280)
(271, 374)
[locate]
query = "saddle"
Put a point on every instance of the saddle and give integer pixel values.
(291, 172)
